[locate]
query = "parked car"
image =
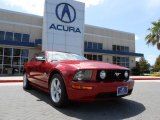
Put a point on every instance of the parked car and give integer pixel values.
(71, 77)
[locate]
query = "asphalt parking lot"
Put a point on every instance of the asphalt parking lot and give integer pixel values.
(17, 104)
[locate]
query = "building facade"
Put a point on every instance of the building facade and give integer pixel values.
(21, 38)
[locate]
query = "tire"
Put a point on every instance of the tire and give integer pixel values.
(58, 92)
(26, 85)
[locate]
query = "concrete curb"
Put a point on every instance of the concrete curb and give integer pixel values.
(145, 78)
(10, 81)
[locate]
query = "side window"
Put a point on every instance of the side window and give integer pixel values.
(42, 55)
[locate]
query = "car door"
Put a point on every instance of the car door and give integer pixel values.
(38, 72)
(44, 70)
(30, 69)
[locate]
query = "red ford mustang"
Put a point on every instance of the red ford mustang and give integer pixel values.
(70, 77)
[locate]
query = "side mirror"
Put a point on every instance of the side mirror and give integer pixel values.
(39, 58)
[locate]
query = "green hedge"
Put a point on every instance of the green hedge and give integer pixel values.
(155, 74)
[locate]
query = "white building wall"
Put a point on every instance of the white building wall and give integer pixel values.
(108, 38)
(21, 23)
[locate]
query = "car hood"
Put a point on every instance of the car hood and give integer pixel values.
(88, 64)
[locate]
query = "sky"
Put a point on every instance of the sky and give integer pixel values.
(134, 16)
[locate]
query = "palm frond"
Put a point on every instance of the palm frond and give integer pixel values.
(154, 36)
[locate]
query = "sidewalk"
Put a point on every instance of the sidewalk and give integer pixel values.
(13, 79)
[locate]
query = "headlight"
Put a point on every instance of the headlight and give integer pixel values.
(102, 74)
(83, 75)
(126, 74)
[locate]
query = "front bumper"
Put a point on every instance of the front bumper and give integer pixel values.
(99, 91)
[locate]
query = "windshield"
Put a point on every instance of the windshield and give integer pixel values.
(57, 56)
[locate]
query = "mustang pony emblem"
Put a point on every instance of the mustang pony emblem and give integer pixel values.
(117, 74)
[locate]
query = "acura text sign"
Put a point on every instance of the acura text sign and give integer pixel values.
(63, 26)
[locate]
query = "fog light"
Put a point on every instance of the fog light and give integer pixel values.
(102, 75)
(126, 74)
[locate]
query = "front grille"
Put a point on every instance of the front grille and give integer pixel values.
(113, 75)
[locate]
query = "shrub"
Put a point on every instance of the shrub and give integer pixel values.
(157, 74)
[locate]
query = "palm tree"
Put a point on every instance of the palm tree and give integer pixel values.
(154, 36)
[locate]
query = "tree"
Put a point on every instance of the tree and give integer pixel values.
(154, 36)
(144, 66)
(157, 64)
(136, 70)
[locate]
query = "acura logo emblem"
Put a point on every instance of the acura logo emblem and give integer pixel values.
(117, 74)
(65, 13)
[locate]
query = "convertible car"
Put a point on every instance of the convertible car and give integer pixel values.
(71, 77)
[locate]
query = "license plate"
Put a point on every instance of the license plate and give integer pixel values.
(123, 90)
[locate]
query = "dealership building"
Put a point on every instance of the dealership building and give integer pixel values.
(62, 28)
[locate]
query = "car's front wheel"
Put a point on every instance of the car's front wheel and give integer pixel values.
(58, 92)
(26, 84)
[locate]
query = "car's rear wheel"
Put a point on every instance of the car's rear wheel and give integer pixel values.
(58, 92)
(26, 84)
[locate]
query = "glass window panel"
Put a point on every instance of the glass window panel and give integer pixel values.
(25, 38)
(122, 48)
(7, 69)
(42, 54)
(2, 35)
(15, 70)
(16, 60)
(17, 36)
(100, 58)
(94, 57)
(1, 51)
(99, 45)
(95, 45)
(126, 49)
(21, 69)
(85, 45)
(89, 57)
(127, 59)
(7, 51)
(114, 47)
(123, 64)
(118, 48)
(1, 69)
(89, 45)
(25, 53)
(9, 36)
(127, 65)
(118, 59)
(123, 59)
(114, 59)
(1, 59)
(7, 60)
(23, 60)
(16, 52)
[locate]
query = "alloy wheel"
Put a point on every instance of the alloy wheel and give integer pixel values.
(56, 90)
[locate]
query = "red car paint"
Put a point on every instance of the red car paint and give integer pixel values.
(40, 72)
